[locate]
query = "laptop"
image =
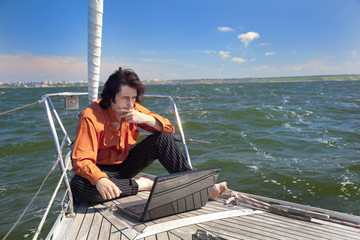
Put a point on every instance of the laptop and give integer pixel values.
(174, 193)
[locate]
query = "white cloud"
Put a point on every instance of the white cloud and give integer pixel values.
(210, 52)
(262, 68)
(224, 54)
(351, 67)
(269, 53)
(317, 66)
(263, 44)
(266, 70)
(225, 29)
(354, 54)
(238, 60)
(25, 64)
(297, 68)
(248, 37)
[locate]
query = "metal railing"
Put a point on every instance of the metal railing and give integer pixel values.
(61, 143)
(178, 122)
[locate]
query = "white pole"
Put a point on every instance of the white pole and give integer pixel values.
(95, 12)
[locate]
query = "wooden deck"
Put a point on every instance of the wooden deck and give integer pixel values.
(104, 221)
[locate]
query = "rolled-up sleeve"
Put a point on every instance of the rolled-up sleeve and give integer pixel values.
(167, 126)
(85, 151)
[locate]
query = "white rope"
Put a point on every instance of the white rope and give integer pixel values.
(27, 105)
(288, 211)
(49, 206)
(32, 200)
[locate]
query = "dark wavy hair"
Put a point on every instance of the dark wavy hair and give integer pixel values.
(121, 77)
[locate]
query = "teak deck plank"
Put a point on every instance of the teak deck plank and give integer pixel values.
(105, 229)
(121, 226)
(239, 228)
(76, 224)
(104, 221)
(86, 224)
(162, 236)
(313, 228)
(279, 229)
(95, 226)
(115, 234)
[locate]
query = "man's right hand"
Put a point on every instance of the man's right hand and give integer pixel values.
(107, 189)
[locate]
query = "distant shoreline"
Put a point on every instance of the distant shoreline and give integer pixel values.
(47, 84)
(353, 77)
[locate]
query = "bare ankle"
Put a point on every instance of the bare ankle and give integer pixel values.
(144, 184)
(217, 190)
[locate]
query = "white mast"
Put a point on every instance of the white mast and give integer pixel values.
(95, 12)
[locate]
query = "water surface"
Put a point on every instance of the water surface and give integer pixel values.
(295, 141)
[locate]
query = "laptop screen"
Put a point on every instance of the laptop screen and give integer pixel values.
(180, 192)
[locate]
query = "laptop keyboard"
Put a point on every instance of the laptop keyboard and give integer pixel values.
(137, 209)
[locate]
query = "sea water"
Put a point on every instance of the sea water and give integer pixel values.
(294, 141)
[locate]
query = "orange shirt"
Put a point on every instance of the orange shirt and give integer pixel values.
(99, 142)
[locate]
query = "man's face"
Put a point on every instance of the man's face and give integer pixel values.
(125, 99)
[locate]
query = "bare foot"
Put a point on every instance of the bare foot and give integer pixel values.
(218, 189)
(145, 184)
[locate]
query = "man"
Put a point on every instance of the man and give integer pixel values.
(105, 158)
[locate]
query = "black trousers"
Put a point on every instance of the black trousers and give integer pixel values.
(161, 146)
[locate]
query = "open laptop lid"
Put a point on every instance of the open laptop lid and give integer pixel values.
(180, 192)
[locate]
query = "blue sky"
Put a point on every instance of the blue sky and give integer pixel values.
(188, 39)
